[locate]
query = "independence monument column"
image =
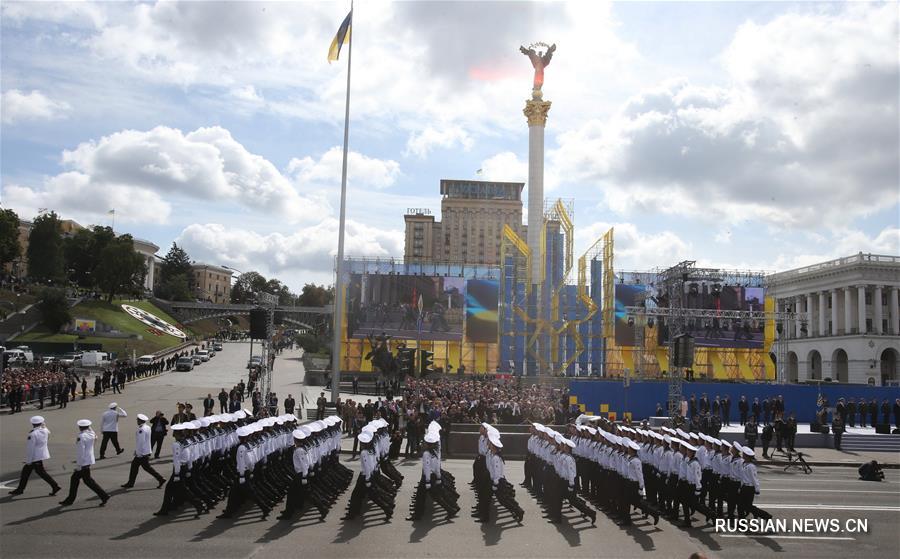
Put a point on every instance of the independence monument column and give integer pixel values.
(536, 110)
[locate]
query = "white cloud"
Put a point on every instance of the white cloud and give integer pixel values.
(635, 249)
(308, 250)
(805, 135)
(504, 167)
(77, 196)
(207, 164)
(18, 106)
(422, 142)
(411, 67)
(362, 171)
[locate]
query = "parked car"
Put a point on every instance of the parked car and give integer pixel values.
(203, 354)
(71, 358)
(196, 359)
(19, 354)
(217, 346)
(184, 364)
(212, 352)
(49, 359)
(255, 361)
(95, 359)
(145, 360)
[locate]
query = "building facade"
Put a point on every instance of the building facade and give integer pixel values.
(211, 283)
(473, 215)
(848, 319)
(147, 250)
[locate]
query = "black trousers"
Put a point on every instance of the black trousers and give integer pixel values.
(142, 462)
(39, 468)
(156, 442)
(84, 474)
(107, 437)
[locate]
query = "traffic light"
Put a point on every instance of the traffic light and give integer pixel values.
(426, 365)
(406, 361)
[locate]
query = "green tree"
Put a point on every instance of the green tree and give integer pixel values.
(54, 309)
(314, 295)
(45, 252)
(174, 288)
(121, 268)
(82, 254)
(175, 275)
(9, 237)
(246, 286)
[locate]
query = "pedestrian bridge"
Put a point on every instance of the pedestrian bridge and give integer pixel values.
(313, 318)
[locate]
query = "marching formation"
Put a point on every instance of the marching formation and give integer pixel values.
(378, 478)
(618, 468)
(237, 458)
(436, 483)
(488, 478)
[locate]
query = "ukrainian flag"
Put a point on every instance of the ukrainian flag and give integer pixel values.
(343, 34)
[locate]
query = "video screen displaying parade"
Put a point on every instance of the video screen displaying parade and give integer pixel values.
(707, 332)
(482, 297)
(389, 304)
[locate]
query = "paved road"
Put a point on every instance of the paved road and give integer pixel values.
(125, 526)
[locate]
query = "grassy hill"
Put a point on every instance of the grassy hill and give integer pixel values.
(113, 315)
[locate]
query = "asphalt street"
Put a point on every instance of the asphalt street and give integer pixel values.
(33, 525)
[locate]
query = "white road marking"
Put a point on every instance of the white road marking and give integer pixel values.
(779, 537)
(779, 490)
(828, 507)
(785, 479)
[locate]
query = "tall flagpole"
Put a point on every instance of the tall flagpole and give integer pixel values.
(338, 282)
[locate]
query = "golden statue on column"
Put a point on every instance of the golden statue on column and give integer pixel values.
(540, 55)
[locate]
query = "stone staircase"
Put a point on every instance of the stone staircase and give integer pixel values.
(878, 443)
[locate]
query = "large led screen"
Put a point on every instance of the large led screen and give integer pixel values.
(482, 297)
(389, 304)
(715, 331)
(627, 295)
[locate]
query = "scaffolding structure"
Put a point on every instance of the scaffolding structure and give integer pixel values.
(669, 302)
(551, 321)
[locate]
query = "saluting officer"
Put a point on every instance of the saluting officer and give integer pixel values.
(84, 458)
(36, 452)
(142, 452)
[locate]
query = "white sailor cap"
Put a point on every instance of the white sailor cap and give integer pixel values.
(748, 451)
(37, 420)
(299, 434)
(558, 438)
(244, 431)
(204, 421)
(494, 438)
(568, 443)
(240, 414)
(84, 423)
(113, 406)
(591, 430)
(177, 427)
(688, 446)
(667, 438)
(141, 417)
(725, 443)
(431, 437)
(633, 445)
(365, 437)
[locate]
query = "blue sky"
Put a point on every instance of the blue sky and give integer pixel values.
(746, 135)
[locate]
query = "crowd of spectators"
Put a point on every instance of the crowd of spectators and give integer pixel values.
(452, 401)
(54, 385)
